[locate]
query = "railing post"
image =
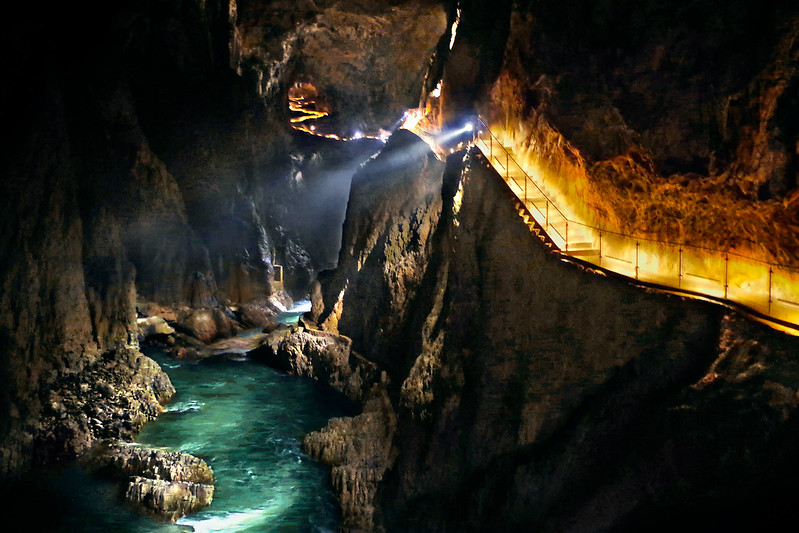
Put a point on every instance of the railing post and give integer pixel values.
(636, 258)
(679, 271)
(507, 165)
(770, 275)
(600, 248)
(490, 145)
(546, 218)
(525, 186)
(567, 234)
(726, 273)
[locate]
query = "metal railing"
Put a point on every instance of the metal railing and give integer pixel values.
(766, 290)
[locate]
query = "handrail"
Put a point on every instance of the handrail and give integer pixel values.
(700, 270)
(508, 158)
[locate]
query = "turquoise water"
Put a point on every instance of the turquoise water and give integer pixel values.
(247, 421)
(291, 316)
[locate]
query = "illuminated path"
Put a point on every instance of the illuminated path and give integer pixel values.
(765, 291)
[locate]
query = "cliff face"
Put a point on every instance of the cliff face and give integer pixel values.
(530, 393)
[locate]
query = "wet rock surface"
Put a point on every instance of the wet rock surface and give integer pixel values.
(169, 500)
(322, 356)
(111, 398)
(359, 449)
(209, 324)
(121, 460)
(166, 484)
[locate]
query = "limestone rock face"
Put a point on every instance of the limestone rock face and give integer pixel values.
(166, 484)
(683, 84)
(679, 118)
(359, 450)
(377, 71)
(169, 500)
(395, 203)
(322, 356)
(527, 392)
(113, 397)
(369, 72)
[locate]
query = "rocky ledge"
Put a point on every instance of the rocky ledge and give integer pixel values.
(110, 397)
(359, 449)
(165, 484)
(197, 333)
(320, 355)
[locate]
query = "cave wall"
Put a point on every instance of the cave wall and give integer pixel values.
(678, 117)
(689, 82)
(529, 393)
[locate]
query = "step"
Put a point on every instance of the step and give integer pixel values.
(582, 252)
(576, 244)
(536, 203)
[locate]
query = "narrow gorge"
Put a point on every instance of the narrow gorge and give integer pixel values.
(179, 176)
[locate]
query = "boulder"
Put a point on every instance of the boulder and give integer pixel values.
(163, 483)
(208, 324)
(235, 346)
(151, 309)
(121, 460)
(153, 325)
(257, 314)
(186, 347)
(320, 355)
(169, 500)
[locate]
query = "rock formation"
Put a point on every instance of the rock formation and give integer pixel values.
(112, 396)
(166, 484)
(526, 392)
(321, 356)
(359, 450)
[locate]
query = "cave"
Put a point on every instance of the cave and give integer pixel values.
(464, 265)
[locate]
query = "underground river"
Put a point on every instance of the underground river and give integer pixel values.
(247, 421)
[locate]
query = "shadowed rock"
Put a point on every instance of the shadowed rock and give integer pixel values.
(322, 356)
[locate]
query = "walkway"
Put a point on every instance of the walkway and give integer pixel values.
(766, 291)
